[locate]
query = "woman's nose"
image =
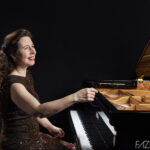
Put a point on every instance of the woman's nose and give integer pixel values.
(33, 51)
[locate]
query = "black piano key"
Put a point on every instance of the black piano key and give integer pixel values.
(97, 131)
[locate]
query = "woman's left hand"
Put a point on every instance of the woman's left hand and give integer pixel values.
(57, 132)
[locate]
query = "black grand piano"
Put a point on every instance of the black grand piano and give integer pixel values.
(119, 118)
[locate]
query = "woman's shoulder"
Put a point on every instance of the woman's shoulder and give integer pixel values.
(9, 80)
(14, 79)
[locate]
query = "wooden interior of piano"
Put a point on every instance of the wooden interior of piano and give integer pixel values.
(129, 99)
(133, 99)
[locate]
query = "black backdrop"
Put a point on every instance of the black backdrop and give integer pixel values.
(79, 39)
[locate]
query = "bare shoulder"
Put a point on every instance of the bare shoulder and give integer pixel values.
(17, 87)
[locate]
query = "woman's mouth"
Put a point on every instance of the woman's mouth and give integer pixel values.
(32, 58)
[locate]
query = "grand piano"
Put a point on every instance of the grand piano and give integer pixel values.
(119, 117)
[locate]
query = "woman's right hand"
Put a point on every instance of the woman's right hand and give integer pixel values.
(85, 95)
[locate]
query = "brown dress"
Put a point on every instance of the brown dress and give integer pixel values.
(20, 131)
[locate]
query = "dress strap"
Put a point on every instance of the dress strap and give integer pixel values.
(16, 79)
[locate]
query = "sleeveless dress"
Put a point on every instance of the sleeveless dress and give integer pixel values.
(20, 131)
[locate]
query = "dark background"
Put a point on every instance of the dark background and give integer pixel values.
(78, 40)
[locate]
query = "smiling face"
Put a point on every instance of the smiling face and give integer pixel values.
(25, 55)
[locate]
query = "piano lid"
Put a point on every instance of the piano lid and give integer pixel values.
(143, 65)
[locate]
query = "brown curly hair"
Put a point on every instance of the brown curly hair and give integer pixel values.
(9, 47)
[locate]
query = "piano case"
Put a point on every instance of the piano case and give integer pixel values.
(127, 105)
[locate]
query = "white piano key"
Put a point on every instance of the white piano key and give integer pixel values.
(106, 120)
(81, 134)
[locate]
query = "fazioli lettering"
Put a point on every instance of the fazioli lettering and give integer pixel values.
(137, 144)
(142, 144)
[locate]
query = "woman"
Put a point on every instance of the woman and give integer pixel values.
(21, 110)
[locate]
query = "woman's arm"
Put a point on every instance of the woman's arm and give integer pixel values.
(28, 103)
(56, 131)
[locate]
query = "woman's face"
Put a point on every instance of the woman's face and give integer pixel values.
(25, 55)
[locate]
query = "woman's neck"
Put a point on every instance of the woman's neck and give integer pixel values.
(19, 71)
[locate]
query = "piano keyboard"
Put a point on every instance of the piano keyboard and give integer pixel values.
(81, 133)
(92, 129)
(106, 120)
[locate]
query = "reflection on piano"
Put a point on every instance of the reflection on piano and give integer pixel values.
(92, 129)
